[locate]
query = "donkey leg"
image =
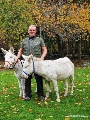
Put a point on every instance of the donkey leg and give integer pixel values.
(20, 87)
(23, 88)
(72, 84)
(36, 90)
(66, 88)
(56, 90)
(47, 89)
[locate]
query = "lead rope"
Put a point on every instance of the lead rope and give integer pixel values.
(33, 67)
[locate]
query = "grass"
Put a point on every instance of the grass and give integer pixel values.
(76, 107)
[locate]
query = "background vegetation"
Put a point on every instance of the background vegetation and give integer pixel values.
(76, 107)
(63, 18)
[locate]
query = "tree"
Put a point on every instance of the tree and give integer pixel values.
(66, 19)
(15, 18)
(59, 18)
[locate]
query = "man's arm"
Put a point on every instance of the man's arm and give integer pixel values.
(20, 53)
(44, 50)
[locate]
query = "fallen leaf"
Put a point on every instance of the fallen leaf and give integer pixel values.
(38, 119)
(51, 116)
(67, 118)
(30, 110)
(79, 103)
(46, 103)
(39, 104)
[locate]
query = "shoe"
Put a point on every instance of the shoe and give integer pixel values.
(27, 98)
(41, 98)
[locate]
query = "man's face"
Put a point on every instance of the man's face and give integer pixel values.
(32, 31)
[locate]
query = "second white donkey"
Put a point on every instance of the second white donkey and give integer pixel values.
(50, 70)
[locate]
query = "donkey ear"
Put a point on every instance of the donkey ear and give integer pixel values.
(4, 51)
(11, 49)
(25, 57)
(31, 56)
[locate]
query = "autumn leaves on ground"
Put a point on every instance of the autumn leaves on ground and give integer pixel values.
(70, 108)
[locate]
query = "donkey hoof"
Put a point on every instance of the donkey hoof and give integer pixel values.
(23, 96)
(46, 98)
(65, 95)
(71, 94)
(58, 100)
(20, 96)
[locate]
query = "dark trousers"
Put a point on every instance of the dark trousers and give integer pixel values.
(39, 85)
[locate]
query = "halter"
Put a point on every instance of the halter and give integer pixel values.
(26, 73)
(11, 65)
(33, 70)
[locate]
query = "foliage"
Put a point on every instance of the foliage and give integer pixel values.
(62, 18)
(15, 18)
(70, 108)
(81, 1)
(67, 22)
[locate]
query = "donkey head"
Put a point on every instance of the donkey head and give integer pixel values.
(28, 66)
(9, 57)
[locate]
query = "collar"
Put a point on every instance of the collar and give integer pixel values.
(33, 37)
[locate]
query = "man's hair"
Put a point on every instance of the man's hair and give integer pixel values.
(32, 26)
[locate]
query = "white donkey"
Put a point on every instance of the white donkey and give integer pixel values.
(10, 62)
(50, 70)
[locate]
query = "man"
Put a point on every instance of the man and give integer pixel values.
(35, 46)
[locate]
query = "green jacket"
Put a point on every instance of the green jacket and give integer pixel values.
(32, 46)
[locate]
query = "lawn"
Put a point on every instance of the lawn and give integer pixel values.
(76, 107)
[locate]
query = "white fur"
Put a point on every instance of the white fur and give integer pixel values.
(51, 70)
(10, 61)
